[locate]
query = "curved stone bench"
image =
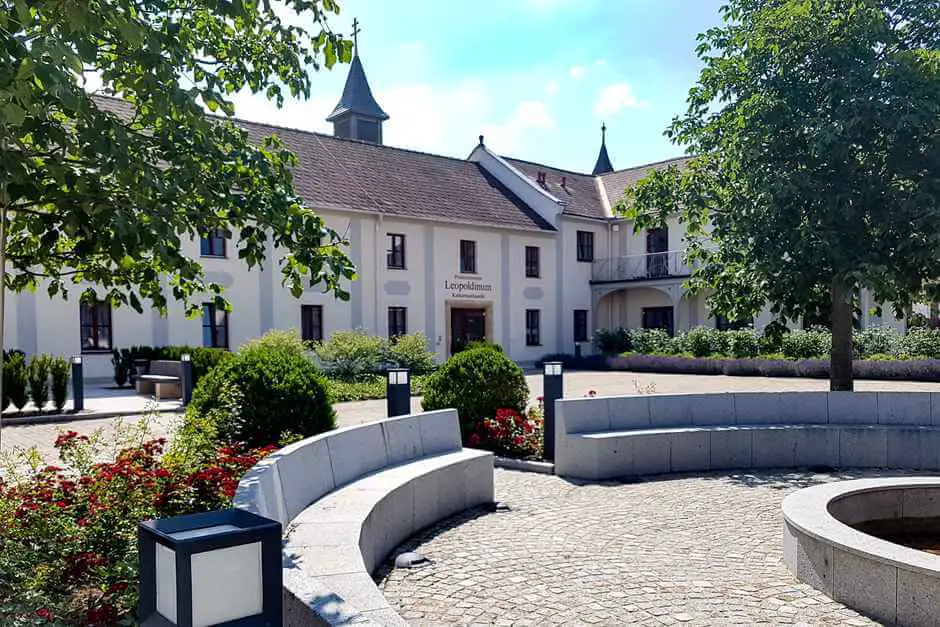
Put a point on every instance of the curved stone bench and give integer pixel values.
(892, 583)
(348, 497)
(606, 437)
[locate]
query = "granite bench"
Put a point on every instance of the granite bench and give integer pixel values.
(608, 437)
(163, 379)
(348, 497)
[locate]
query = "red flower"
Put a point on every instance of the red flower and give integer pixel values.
(45, 614)
(474, 439)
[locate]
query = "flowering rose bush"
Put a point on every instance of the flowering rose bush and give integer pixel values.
(509, 433)
(68, 550)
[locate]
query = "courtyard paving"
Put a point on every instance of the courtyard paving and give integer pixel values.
(689, 550)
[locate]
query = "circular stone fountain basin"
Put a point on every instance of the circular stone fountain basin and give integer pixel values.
(831, 543)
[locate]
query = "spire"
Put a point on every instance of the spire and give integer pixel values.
(603, 164)
(357, 98)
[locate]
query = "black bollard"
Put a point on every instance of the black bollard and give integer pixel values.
(186, 384)
(78, 384)
(553, 384)
(398, 392)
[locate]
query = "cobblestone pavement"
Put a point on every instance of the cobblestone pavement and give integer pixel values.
(703, 550)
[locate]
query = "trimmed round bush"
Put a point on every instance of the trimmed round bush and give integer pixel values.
(258, 396)
(476, 383)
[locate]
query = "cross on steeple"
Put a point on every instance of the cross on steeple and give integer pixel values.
(355, 34)
(603, 132)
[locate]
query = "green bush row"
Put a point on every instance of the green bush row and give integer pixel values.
(356, 356)
(369, 389)
(775, 342)
(35, 379)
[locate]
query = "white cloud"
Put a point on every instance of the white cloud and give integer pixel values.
(577, 72)
(521, 130)
(551, 88)
(615, 97)
(600, 62)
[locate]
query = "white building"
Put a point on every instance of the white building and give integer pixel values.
(519, 253)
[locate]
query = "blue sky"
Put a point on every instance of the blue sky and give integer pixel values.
(535, 77)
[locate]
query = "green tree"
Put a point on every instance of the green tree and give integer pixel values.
(815, 130)
(107, 193)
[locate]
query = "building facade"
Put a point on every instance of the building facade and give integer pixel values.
(488, 247)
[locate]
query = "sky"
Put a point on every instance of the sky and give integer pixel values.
(535, 77)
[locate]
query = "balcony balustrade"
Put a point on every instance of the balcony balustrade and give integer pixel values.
(651, 266)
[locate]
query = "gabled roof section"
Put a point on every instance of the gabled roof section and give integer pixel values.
(615, 183)
(357, 96)
(337, 173)
(579, 191)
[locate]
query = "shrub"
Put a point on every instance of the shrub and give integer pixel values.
(476, 383)
(16, 380)
(699, 342)
(288, 341)
(510, 433)
(69, 542)
(59, 368)
(743, 343)
(481, 344)
(411, 352)
(922, 342)
(372, 388)
(650, 341)
(258, 395)
(876, 340)
(38, 378)
(806, 344)
(612, 341)
(351, 355)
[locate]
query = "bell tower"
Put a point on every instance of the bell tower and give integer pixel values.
(357, 115)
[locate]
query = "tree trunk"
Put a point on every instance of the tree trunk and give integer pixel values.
(840, 359)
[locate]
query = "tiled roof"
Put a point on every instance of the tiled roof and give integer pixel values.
(368, 177)
(616, 182)
(580, 190)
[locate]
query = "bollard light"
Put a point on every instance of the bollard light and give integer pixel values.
(78, 384)
(213, 568)
(398, 392)
(186, 384)
(554, 388)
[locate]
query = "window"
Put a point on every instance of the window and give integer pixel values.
(468, 256)
(585, 246)
(214, 326)
(213, 244)
(368, 131)
(532, 269)
(397, 321)
(532, 327)
(95, 320)
(723, 324)
(580, 325)
(396, 251)
(311, 323)
(659, 318)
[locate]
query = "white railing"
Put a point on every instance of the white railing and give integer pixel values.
(642, 267)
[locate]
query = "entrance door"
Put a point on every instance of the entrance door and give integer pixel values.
(466, 325)
(657, 259)
(658, 318)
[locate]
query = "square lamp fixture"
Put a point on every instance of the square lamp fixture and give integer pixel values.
(186, 357)
(552, 368)
(214, 568)
(76, 359)
(398, 376)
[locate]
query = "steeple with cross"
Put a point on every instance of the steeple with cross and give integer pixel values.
(603, 164)
(357, 115)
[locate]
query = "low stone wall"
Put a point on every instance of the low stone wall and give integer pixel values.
(889, 582)
(348, 497)
(605, 437)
